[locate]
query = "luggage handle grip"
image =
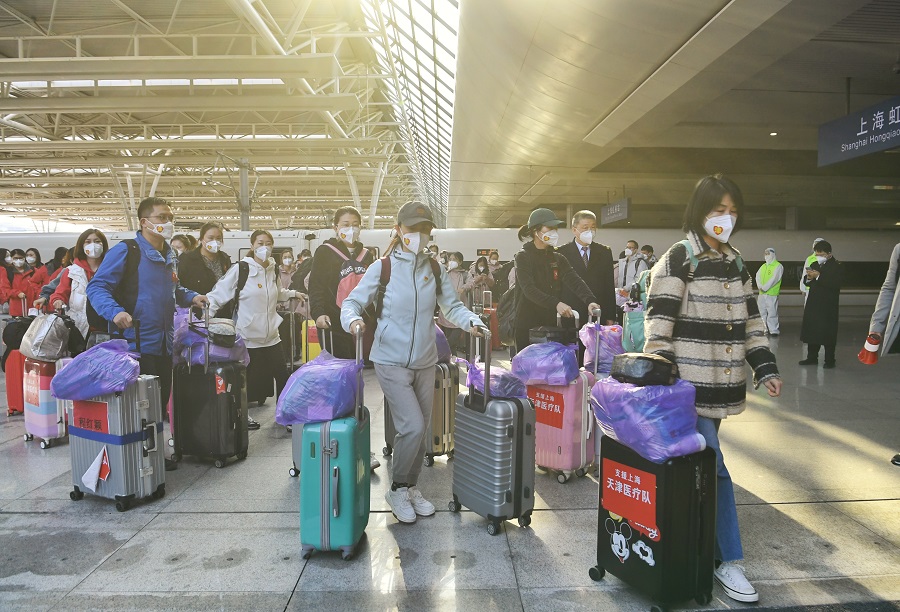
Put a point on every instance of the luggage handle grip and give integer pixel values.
(487, 366)
(323, 335)
(335, 481)
(487, 299)
(149, 437)
(358, 338)
(575, 316)
(136, 324)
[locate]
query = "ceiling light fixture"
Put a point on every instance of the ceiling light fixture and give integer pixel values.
(773, 133)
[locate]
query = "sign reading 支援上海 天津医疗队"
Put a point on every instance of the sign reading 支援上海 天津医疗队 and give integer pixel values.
(874, 129)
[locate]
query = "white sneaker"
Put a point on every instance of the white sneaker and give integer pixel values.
(422, 506)
(373, 462)
(731, 577)
(400, 505)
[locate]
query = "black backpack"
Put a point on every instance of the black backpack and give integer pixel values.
(12, 335)
(126, 292)
(507, 311)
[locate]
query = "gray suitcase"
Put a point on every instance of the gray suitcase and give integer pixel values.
(493, 469)
(446, 388)
(129, 427)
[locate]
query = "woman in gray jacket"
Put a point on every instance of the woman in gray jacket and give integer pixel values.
(885, 324)
(404, 350)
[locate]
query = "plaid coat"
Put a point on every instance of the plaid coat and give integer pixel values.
(717, 329)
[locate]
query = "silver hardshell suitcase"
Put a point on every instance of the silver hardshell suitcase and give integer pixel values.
(116, 444)
(446, 388)
(493, 468)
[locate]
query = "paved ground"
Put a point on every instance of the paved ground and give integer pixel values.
(819, 505)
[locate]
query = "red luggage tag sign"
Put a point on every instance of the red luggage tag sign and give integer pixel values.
(220, 385)
(104, 466)
(90, 415)
(549, 406)
(631, 494)
(33, 388)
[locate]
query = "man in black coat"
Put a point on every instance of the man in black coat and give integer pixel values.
(822, 312)
(593, 262)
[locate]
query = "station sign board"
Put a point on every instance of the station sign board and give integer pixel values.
(873, 129)
(617, 211)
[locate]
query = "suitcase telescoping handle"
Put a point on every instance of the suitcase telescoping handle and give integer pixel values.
(487, 299)
(325, 333)
(487, 365)
(121, 332)
(358, 337)
(595, 316)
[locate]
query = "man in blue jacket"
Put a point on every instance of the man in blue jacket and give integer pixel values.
(151, 297)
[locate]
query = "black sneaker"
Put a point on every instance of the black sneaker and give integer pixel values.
(171, 465)
(896, 459)
(252, 425)
(829, 365)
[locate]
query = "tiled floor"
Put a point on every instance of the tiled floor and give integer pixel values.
(819, 505)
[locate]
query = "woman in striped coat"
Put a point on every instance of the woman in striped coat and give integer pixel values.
(702, 314)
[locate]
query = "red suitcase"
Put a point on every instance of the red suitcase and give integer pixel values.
(15, 383)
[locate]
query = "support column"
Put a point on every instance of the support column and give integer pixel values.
(244, 203)
(792, 218)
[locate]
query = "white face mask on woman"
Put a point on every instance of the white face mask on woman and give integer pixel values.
(93, 250)
(453, 265)
(212, 246)
(287, 261)
(348, 234)
(31, 260)
(551, 238)
(719, 227)
(413, 241)
(263, 253)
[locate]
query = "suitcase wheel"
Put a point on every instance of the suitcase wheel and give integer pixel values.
(122, 506)
(562, 478)
(493, 528)
(76, 495)
(28, 437)
(176, 457)
(703, 598)
(580, 472)
(525, 520)
(597, 573)
(160, 492)
(172, 442)
(429, 460)
(454, 506)
(46, 444)
(220, 463)
(294, 472)
(306, 551)
(387, 451)
(450, 455)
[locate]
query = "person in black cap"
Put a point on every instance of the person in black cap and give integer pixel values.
(404, 350)
(541, 274)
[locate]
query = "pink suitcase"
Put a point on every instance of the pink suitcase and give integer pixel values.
(564, 433)
(45, 417)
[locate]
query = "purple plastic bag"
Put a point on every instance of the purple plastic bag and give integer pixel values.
(610, 345)
(548, 363)
(322, 390)
(105, 368)
(504, 384)
(189, 345)
(658, 422)
(443, 346)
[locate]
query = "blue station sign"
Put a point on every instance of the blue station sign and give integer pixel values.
(874, 129)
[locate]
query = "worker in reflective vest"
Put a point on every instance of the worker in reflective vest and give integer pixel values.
(768, 279)
(804, 290)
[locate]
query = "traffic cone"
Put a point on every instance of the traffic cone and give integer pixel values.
(869, 354)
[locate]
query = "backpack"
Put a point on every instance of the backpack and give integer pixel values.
(126, 292)
(693, 267)
(508, 309)
(350, 273)
(13, 332)
(229, 310)
(385, 277)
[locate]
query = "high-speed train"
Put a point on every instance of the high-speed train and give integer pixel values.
(864, 254)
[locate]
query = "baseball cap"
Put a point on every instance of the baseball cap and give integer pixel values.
(414, 212)
(543, 217)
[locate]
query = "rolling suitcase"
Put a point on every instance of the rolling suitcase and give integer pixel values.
(297, 430)
(116, 445)
(564, 433)
(493, 471)
(45, 417)
(15, 383)
(210, 409)
(446, 388)
(335, 488)
(657, 522)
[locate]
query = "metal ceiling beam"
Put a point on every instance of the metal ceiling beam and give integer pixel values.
(177, 104)
(310, 65)
(224, 144)
(274, 159)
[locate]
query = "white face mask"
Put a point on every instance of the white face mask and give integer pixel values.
(453, 265)
(31, 260)
(263, 252)
(287, 261)
(770, 257)
(494, 262)
(586, 237)
(178, 252)
(821, 259)
(719, 227)
(166, 230)
(348, 234)
(19, 263)
(8, 259)
(481, 270)
(93, 250)
(212, 246)
(629, 252)
(550, 238)
(413, 241)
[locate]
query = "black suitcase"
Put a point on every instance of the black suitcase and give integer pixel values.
(643, 369)
(548, 333)
(210, 411)
(657, 523)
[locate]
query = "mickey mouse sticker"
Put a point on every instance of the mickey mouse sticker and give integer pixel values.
(619, 536)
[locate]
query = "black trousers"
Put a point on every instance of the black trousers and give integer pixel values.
(266, 364)
(160, 366)
(812, 351)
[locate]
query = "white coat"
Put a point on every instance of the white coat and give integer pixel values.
(886, 318)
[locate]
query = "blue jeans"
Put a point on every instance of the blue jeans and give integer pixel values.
(728, 536)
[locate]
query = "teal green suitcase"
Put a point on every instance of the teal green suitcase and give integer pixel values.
(335, 480)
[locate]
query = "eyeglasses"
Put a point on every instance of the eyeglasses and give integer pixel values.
(163, 218)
